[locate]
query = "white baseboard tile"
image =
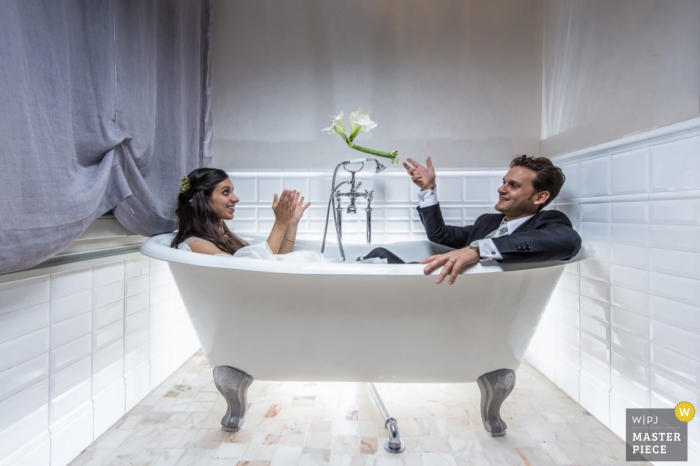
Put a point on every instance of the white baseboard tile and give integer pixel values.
(160, 368)
(35, 453)
(595, 398)
(67, 404)
(107, 377)
(619, 404)
(569, 353)
(547, 364)
(630, 389)
(136, 358)
(71, 438)
(567, 378)
(138, 385)
(21, 436)
(693, 456)
(693, 451)
(109, 406)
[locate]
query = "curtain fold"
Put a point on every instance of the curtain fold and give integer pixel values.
(105, 105)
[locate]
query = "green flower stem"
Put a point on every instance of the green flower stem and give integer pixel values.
(390, 155)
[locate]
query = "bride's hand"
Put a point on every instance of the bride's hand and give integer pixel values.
(299, 209)
(284, 205)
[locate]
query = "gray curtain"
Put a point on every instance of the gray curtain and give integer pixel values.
(104, 105)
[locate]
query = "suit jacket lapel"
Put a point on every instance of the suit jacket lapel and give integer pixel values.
(526, 226)
(485, 227)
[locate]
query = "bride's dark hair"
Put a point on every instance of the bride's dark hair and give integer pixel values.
(196, 218)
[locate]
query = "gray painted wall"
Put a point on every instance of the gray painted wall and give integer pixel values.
(613, 68)
(458, 80)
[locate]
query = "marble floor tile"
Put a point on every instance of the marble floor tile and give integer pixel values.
(373, 428)
(346, 444)
(438, 459)
(294, 439)
(196, 457)
(473, 462)
(388, 462)
(466, 448)
(287, 456)
(345, 427)
(111, 439)
(231, 450)
(338, 424)
(323, 440)
(320, 425)
(430, 444)
(346, 460)
(368, 445)
(159, 457)
(315, 457)
(92, 457)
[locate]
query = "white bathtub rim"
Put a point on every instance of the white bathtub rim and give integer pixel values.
(158, 247)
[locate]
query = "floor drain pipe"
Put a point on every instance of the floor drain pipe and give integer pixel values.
(394, 443)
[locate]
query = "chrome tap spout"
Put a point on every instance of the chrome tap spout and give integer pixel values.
(352, 194)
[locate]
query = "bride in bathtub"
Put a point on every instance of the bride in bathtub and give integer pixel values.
(207, 199)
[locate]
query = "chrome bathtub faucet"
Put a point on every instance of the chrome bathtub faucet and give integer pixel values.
(352, 194)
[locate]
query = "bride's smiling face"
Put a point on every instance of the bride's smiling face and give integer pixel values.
(223, 201)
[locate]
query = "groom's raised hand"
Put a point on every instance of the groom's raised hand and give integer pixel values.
(423, 177)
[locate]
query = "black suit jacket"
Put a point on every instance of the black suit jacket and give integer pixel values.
(546, 236)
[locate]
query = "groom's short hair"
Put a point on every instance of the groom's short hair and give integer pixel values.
(549, 177)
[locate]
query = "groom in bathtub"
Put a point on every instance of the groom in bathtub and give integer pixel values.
(521, 232)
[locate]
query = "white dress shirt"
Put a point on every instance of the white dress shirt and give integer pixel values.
(487, 249)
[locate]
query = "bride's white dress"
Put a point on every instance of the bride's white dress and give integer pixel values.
(262, 251)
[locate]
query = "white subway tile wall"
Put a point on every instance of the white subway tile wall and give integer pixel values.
(80, 345)
(464, 195)
(637, 300)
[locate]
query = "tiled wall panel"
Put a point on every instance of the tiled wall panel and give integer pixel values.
(639, 206)
(74, 352)
(464, 195)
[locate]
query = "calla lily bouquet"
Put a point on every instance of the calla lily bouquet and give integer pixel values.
(360, 122)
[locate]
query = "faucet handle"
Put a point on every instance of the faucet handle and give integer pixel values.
(357, 186)
(369, 195)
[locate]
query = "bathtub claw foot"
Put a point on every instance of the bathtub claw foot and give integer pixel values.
(233, 384)
(495, 387)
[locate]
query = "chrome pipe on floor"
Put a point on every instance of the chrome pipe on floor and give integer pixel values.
(394, 443)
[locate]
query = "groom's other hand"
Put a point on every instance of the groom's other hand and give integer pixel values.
(452, 263)
(423, 177)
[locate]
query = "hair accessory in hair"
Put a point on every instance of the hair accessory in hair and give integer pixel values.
(184, 184)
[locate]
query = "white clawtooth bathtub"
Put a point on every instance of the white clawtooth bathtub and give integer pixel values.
(278, 320)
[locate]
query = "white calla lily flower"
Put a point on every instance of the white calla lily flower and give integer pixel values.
(338, 126)
(360, 122)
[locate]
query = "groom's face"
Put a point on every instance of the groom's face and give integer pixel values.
(516, 196)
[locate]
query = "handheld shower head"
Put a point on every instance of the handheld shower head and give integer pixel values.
(380, 167)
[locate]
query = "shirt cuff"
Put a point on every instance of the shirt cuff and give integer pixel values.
(488, 250)
(427, 198)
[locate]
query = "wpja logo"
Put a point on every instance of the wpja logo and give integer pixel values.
(659, 434)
